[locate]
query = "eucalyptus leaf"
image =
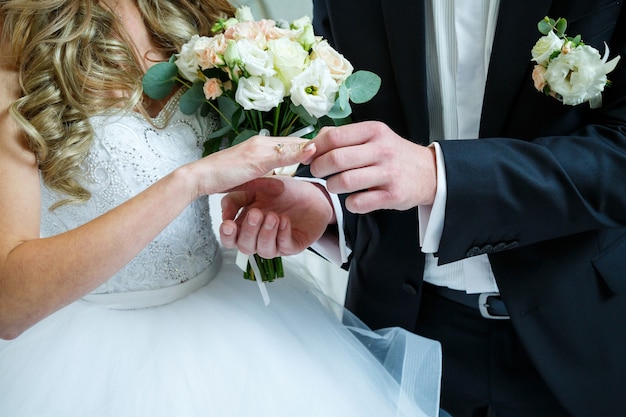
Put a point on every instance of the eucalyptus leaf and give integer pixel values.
(544, 27)
(362, 86)
(159, 80)
(336, 112)
(561, 26)
(212, 145)
(227, 107)
(343, 98)
(192, 99)
(220, 132)
(243, 136)
(304, 115)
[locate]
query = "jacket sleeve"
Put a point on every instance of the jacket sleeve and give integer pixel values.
(556, 171)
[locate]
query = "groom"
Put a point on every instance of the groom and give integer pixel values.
(523, 279)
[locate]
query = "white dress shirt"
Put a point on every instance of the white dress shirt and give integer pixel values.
(459, 39)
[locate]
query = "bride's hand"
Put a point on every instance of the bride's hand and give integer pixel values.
(253, 158)
(275, 216)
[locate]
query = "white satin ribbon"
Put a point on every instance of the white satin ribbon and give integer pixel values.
(242, 260)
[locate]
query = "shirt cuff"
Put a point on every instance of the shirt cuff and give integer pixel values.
(431, 218)
(330, 246)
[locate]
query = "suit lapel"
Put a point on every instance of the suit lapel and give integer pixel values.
(516, 34)
(404, 22)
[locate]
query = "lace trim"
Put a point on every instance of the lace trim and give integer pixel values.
(133, 300)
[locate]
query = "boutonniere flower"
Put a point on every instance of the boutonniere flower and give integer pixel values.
(566, 68)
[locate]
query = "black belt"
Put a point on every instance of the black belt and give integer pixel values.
(489, 304)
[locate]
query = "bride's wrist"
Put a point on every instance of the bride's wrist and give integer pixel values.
(187, 183)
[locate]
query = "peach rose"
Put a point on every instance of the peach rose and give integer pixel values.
(340, 68)
(212, 88)
(539, 77)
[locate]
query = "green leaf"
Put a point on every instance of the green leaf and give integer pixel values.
(243, 136)
(343, 98)
(561, 26)
(192, 99)
(544, 27)
(212, 145)
(220, 132)
(159, 80)
(227, 107)
(336, 112)
(304, 115)
(362, 86)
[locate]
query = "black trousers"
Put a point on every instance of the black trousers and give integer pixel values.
(486, 371)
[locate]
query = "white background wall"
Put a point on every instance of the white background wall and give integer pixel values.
(278, 9)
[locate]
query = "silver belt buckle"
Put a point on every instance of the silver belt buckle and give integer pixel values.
(483, 306)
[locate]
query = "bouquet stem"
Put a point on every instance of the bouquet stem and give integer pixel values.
(270, 269)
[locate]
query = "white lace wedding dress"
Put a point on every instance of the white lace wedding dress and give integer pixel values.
(179, 333)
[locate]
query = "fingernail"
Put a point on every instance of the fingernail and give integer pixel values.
(308, 147)
(270, 223)
(227, 229)
(283, 224)
(253, 219)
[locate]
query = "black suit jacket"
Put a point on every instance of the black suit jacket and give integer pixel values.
(543, 192)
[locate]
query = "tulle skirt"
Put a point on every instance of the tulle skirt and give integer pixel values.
(218, 352)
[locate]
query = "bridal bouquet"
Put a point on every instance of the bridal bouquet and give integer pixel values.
(566, 68)
(262, 77)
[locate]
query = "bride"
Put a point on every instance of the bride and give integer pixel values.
(115, 297)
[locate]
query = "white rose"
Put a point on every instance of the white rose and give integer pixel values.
(340, 68)
(257, 93)
(314, 89)
(545, 46)
(254, 59)
(187, 59)
(579, 75)
(289, 59)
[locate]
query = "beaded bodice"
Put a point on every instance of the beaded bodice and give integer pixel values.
(129, 154)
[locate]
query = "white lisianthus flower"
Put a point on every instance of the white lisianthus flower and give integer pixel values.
(340, 67)
(579, 75)
(545, 46)
(290, 59)
(244, 14)
(259, 93)
(301, 23)
(314, 89)
(187, 59)
(303, 28)
(255, 60)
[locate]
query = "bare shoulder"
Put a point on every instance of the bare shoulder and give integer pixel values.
(19, 174)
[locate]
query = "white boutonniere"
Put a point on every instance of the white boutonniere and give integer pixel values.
(566, 68)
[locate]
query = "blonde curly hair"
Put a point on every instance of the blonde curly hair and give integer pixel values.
(69, 54)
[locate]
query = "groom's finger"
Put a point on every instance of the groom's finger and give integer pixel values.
(249, 230)
(330, 138)
(266, 240)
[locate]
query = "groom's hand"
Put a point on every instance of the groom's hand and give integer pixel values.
(275, 216)
(380, 168)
